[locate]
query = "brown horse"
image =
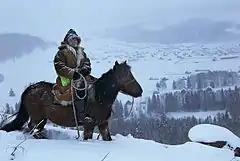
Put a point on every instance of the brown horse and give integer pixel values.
(37, 103)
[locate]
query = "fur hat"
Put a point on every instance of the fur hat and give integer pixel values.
(71, 34)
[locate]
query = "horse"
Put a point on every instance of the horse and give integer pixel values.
(37, 103)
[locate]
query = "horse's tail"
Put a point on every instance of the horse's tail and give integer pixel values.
(21, 118)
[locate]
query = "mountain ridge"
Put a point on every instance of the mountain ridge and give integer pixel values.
(13, 45)
(193, 30)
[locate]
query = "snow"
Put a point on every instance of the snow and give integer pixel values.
(212, 133)
(63, 146)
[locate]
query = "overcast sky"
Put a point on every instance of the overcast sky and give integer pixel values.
(51, 19)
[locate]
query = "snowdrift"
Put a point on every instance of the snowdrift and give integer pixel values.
(63, 146)
(207, 133)
(215, 136)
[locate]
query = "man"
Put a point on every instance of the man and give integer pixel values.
(69, 58)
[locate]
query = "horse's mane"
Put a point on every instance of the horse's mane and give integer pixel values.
(104, 86)
(105, 75)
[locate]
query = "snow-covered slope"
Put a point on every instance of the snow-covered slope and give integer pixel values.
(63, 146)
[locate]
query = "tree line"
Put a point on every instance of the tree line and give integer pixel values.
(175, 130)
(169, 130)
(213, 79)
(208, 99)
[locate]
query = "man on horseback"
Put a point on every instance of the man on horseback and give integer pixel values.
(70, 58)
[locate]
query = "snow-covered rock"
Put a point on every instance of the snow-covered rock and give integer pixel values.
(213, 135)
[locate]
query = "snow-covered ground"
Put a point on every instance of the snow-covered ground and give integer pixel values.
(147, 61)
(63, 146)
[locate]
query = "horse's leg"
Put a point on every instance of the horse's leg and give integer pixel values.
(104, 131)
(40, 133)
(88, 131)
(40, 127)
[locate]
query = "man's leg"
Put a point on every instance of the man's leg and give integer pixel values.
(62, 94)
(81, 111)
(82, 105)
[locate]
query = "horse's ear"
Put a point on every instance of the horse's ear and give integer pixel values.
(116, 63)
(125, 62)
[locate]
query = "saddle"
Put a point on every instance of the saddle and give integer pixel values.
(63, 94)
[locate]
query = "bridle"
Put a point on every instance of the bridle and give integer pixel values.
(125, 85)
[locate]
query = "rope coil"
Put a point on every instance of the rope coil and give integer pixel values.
(74, 86)
(76, 83)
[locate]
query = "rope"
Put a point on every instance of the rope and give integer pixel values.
(78, 81)
(131, 107)
(31, 134)
(74, 87)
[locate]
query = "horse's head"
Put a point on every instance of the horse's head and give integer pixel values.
(126, 81)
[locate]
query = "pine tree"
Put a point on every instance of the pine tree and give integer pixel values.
(189, 84)
(212, 84)
(12, 93)
(174, 86)
(7, 108)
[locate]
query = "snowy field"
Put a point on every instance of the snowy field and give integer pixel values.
(63, 146)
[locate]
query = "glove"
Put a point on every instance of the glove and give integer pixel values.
(85, 72)
(76, 75)
(86, 67)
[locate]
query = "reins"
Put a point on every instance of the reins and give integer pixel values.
(74, 87)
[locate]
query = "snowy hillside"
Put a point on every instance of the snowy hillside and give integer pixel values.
(63, 146)
(13, 45)
(150, 63)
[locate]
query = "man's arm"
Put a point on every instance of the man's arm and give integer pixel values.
(86, 67)
(60, 65)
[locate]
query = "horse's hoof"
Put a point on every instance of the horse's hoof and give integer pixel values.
(107, 139)
(85, 138)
